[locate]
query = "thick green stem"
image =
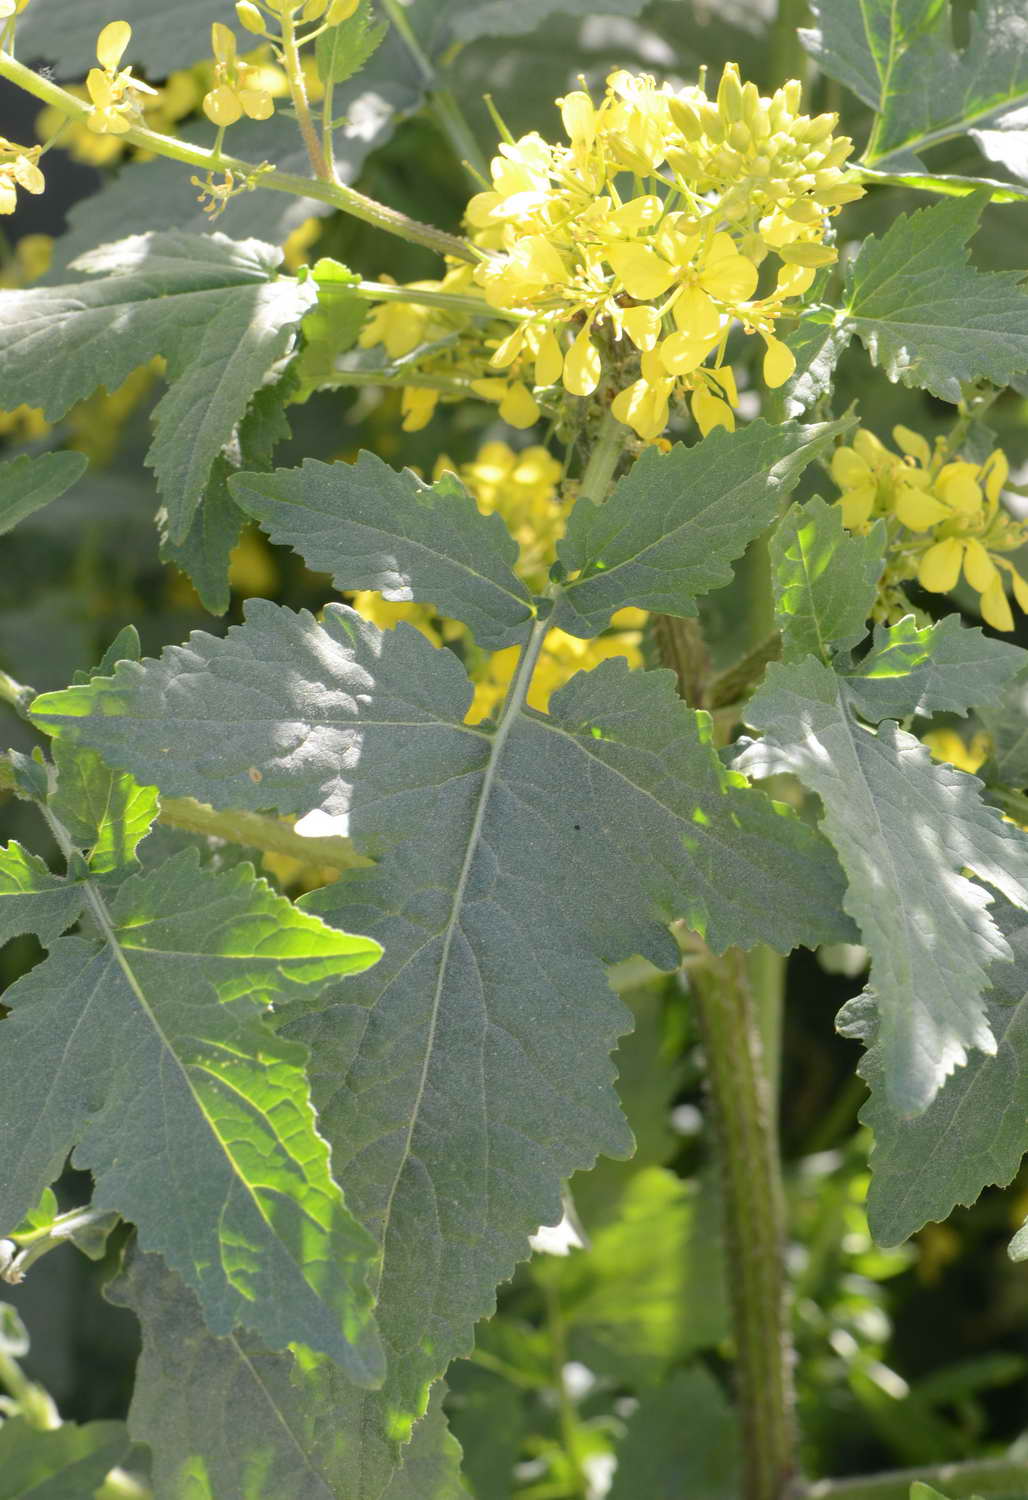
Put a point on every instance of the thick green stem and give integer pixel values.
(958, 1481)
(381, 291)
(754, 1221)
(335, 193)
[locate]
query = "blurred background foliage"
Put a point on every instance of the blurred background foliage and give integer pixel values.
(906, 1356)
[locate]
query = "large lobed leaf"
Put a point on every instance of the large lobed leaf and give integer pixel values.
(905, 830)
(374, 528)
(147, 1052)
(215, 309)
(226, 1416)
(32, 899)
(926, 316)
(897, 56)
(974, 1133)
(677, 521)
(470, 1076)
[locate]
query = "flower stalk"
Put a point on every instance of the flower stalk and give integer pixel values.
(337, 194)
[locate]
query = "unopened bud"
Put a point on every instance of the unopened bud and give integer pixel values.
(739, 136)
(249, 17)
(729, 94)
(314, 10)
(808, 255)
(341, 10)
(686, 118)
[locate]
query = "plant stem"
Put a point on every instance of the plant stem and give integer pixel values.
(16, 694)
(739, 1009)
(565, 1406)
(381, 291)
(250, 830)
(256, 831)
(335, 193)
(603, 460)
(989, 1476)
(298, 92)
(443, 101)
(754, 1221)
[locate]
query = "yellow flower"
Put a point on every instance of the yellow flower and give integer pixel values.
(944, 517)
(714, 398)
(946, 744)
(113, 94)
(18, 169)
(237, 87)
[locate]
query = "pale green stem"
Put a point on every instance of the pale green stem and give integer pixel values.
(603, 460)
(15, 693)
(34, 1403)
(256, 831)
(335, 193)
(442, 100)
(381, 291)
(39, 1242)
(958, 1481)
(298, 91)
(250, 830)
(789, 57)
(565, 1406)
(345, 378)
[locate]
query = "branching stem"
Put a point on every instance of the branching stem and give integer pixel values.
(298, 93)
(959, 1481)
(335, 193)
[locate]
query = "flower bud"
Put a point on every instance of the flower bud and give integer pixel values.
(729, 94)
(249, 17)
(314, 10)
(341, 10)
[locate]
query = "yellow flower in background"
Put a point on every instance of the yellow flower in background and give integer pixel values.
(112, 90)
(238, 87)
(943, 516)
(19, 168)
(946, 744)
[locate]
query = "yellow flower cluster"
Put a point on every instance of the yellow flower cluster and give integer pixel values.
(943, 515)
(19, 168)
(112, 90)
(629, 253)
(522, 487)
(238, 88)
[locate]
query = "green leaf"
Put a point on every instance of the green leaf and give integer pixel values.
(105, 812)
(34, 900)
(673, 526)
(943, 668)
(886, 50)
(817, 348)
(824, 580)
(505, 853)
(163, 37)
(650, 1289)
(330, 328)
(1007, 723)
(927, 317)
(225, 1416)
(975, 1131)
(905, 830)
(65, 1463)
(212, 307)
(343, 50)
(205, 553)
(27, 484)
(472, 19)
(374, 528)
(148, 1054)
(683, 1439)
